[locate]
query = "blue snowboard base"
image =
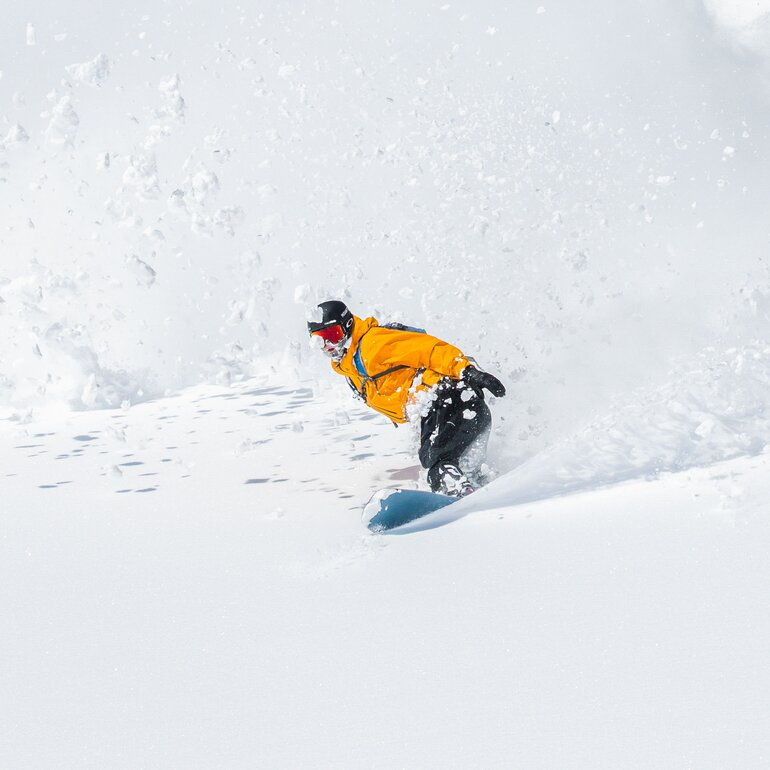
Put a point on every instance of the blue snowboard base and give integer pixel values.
(390, 508)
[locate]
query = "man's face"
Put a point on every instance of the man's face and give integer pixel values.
(332, 341)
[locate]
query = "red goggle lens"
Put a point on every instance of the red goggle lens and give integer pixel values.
(331, 334)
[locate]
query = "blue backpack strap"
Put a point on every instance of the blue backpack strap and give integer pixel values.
(404, 328)
(359, 363)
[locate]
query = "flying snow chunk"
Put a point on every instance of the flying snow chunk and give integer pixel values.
(249, 260)
(154, 234)
(204, 185)
(176, 204)
(141, 176)
(175, 105)
(215, 143)
(706, 428)
(315, 314)
(64, 123)
(541, 9)
(31, 36)
(301, 294)
(228, 218)
(16, 135)
(728, 152)
(91, 73)
(201, 225)
(144, 274)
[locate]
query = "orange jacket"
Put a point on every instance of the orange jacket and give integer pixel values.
(382, 364)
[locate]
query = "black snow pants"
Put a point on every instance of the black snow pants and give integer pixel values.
(458, 420)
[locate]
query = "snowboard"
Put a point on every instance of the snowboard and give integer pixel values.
(390, 508)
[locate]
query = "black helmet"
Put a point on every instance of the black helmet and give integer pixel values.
(332, 322)
(332, 312)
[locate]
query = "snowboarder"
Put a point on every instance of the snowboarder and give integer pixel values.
(400, 371)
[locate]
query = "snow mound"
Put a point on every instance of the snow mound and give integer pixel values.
(91, 73)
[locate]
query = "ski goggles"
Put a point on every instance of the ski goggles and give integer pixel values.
(331, 335)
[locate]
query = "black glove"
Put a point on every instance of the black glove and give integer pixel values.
(478, 379)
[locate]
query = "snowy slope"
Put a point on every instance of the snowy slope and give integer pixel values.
(576, 194)
(188, 584)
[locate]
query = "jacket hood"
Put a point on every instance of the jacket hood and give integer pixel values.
(360, 327)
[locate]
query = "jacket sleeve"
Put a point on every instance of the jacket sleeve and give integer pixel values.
(446, 359)
(419, 351)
